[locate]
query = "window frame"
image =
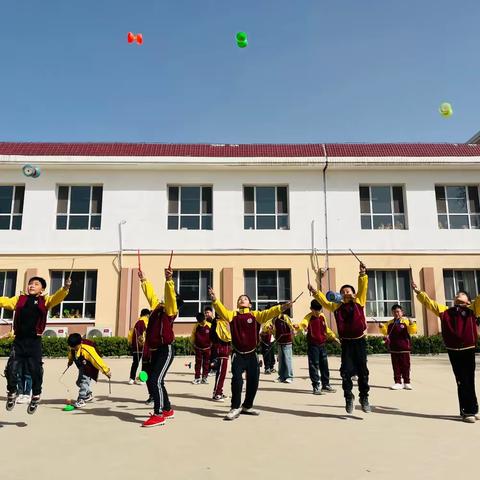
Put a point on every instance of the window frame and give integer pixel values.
(476, 276)
(201, 216)
(278, 299)
(371, 215)
(70, 320)
(276, 214)
(12, 213)
(377, 301)
(68, 215)
(447, 214)
(200, 301)
(5, 320)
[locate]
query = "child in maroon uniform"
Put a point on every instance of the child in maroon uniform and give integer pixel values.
(29, 323)
(283, 332)
(351, 326)
(221, 340)
(136, 340)
(201, 343)
(158, 349)
(267, 348)
(209, 317)
(245, 337)
(397, 334)
(459, 332)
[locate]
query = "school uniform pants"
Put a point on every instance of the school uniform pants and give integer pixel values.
(160, 362)
(146, 368)
(202, 362)
(244, 362)
(318, 361)
(136, 356)
(83, 384)
(223, 352)
(354, 362)
(285, 368)
(463, 365)
(401, 366)
(25, 352)
(268, 354)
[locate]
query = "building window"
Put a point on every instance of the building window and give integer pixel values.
(190, 208)
(455, 280)
(11, 207)
(265, 208)
(267, 287)
(79, 208)
(192, 286)
(382, 208)
(8, 281)
(82, 298)
(385, 289)
(458, 207)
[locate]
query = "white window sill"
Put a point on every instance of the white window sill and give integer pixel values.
(67, 321)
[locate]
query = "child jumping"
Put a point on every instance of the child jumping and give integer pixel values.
(201, 342)
(459, 332)
(351, 327)
(29, 323)
(84, 354)
(397, 334)
(158, 349)
(245, 337)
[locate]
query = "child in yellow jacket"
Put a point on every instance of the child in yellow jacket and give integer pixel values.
(84, 354)
(397, 333)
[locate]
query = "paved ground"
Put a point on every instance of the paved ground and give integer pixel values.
(410, 434)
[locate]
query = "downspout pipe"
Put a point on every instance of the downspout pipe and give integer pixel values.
(325, 205)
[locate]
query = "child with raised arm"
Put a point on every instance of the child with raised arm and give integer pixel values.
(158, 349)
(244, 327)
(31, 310)
(318, 333)
(397, 333)
(459, 332)
(136, 340)
(351, 327)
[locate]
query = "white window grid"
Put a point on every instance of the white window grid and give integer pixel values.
(404, 302)
(80, 303)
(371, 214)
(12, 213)
(458, 283)
(278, 298)
(277, 214)
(449, 214)
(180, 215)
(200, 301)
(90, 214)
(6, 316)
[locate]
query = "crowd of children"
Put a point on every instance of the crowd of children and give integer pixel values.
(220, 334)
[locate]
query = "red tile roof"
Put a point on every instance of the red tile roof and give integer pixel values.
(243, 150)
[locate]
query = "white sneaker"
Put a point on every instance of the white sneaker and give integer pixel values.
(408, 386)
(197, 381)
(79, 403)
(397, 386)
(233, 414)
(470, 419)
(288, 380)
(131, 382)
(23, 399)
(205, 380)
(250, 411)
(219, 398)
(278, 380)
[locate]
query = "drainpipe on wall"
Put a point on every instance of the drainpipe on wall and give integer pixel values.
(324, 176)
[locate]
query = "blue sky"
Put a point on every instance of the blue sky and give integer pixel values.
(314, 71)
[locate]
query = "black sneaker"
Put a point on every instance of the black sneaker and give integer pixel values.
(317, 390)
(328, 389)
(32, 407)
(149, 401)
(365, 405)
(11, 401)
(349, 404)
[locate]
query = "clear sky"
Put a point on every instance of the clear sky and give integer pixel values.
(314, 71)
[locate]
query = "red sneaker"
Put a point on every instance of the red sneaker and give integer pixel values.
(154, 420)
(168, 414)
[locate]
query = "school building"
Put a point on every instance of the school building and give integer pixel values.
(243, 218)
